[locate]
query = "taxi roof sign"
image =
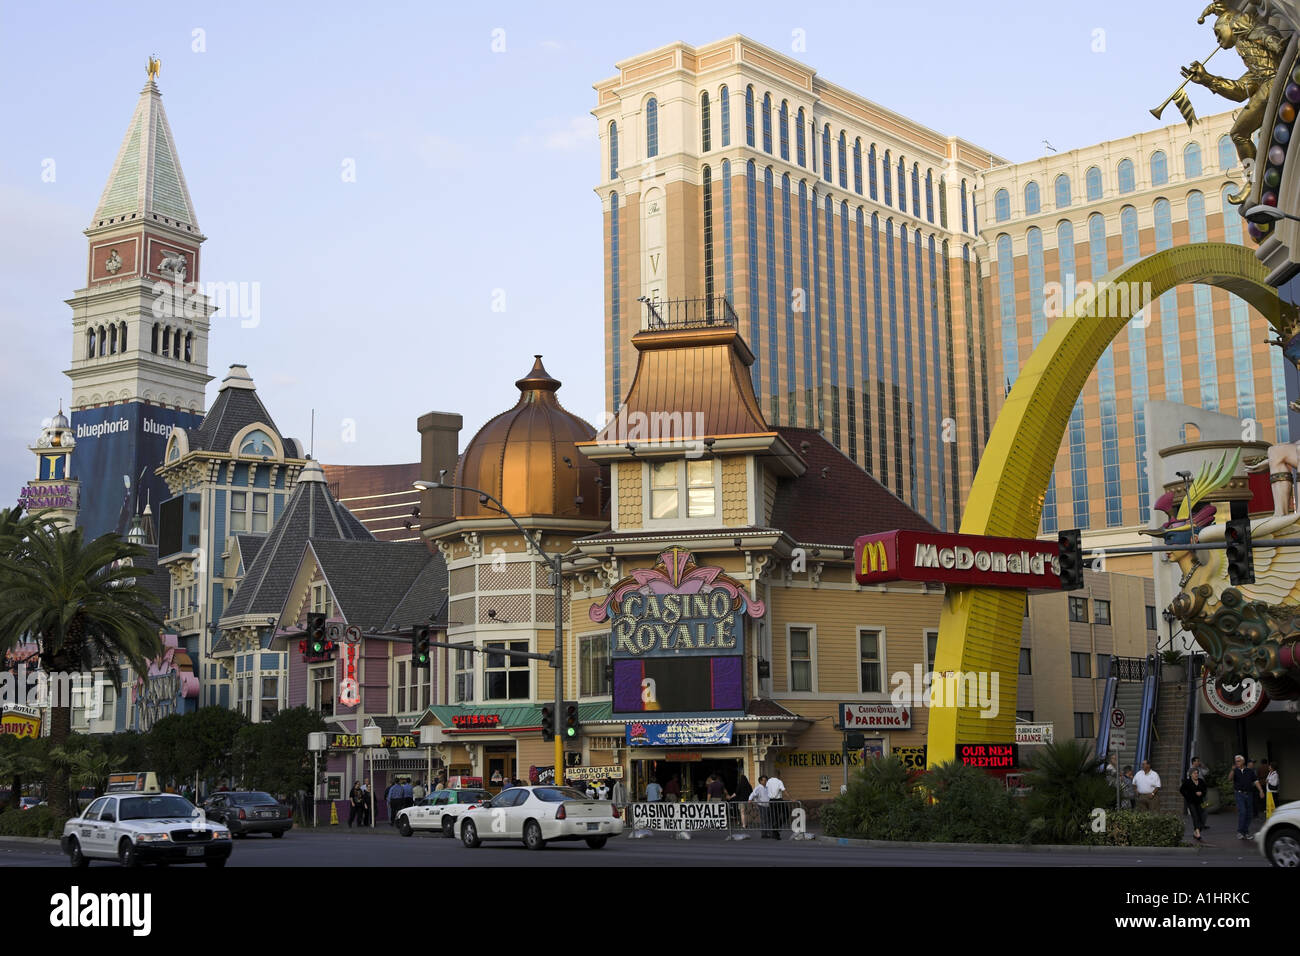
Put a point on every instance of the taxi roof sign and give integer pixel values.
(142, 782)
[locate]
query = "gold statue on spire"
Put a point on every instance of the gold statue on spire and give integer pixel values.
(155, 65)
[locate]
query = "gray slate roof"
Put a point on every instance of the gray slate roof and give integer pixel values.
(249, 545)
(312, 513)
(383, 585)
(235, 408)
(159, 582)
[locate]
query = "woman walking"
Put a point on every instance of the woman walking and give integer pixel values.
(1271, 784)
(1193, 791)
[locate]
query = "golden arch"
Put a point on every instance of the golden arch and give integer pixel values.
(979, 629)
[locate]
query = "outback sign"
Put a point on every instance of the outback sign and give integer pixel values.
(969, 559)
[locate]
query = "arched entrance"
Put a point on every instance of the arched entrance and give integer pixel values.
(979, 628)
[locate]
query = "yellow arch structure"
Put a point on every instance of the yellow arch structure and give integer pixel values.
(979, 629)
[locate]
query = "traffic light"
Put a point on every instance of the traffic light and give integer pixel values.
(548, 721)
(420, 647)
(571, 724)
(316, 641)
(1241, 567)
(1071, 560)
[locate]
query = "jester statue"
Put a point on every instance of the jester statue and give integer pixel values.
(1250, 631)
(1260, 47)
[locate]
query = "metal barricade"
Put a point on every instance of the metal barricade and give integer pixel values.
(771, 820)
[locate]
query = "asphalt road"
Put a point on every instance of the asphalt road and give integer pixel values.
(341, 848)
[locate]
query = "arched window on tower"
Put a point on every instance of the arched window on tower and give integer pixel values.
(871, 173)
(121, 338)
(167, 341)
(800, 147)
(1062, 191)
(1192, 160)
(153, 342)
(1159, 168)
(103, 342)
(826, 152)
(724, 102)
(189, 346)
(1227, 153)
(1124, 173)
(965, 216)
(857, 166)
(1032, 202)
(613, 150)
(1002, 205)
(90, 343)
(888, 172)
(843, 159)
(176, 343)
(767, 123)
(929, 196)
(1092, 182)
(784, 132)
(902, 180)
(706, 133)
(943, 203)
(652, 128)
(916, 191)
(749, 116)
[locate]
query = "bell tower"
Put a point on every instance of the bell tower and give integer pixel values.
(140, 324)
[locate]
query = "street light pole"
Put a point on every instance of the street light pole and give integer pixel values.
(556, 564)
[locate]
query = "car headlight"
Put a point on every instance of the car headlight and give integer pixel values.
(152, 838)
(221, 834)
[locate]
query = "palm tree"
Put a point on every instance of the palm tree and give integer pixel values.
(1067, 786)
(82, 605)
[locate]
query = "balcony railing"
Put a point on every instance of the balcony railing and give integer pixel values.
(701, 313)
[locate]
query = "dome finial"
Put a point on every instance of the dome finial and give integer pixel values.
(538, 379)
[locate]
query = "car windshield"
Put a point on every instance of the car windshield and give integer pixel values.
(472, 796)
(255, 796)
(558, 794)
(147, 808)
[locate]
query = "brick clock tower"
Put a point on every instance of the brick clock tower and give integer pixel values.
(139, 327)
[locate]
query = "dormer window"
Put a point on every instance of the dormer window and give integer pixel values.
(257, 443)
(683, 489)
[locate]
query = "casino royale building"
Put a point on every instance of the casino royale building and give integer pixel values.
(711, 620)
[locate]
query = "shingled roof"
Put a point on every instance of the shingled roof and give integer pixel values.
(383, 585)
(312, 513)
(236, 407)
(835, 501)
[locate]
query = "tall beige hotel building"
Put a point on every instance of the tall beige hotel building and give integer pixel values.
(892, 280)
(842, 234)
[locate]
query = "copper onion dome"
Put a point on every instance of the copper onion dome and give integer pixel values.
(528, 458)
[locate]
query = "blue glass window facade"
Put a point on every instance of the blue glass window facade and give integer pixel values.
(1092, 183)
(800, 148)
(842, 157)
(774, 310)
(749, 116)
(652, 128)
(785, 130)
(1159, 168)
(751, 219)
(1124, 174)
(1032, 202)
(1227, 153)
(706, 133)
(1007, 310)
(1001, 205)
(1108, 401)
(1137, 347)
(767, 123)
(724, 106)
(787, 264)
(826, 152)
(1192, 160)
(613, 151)
(1062, 186)
(857, 166)
(727, 244)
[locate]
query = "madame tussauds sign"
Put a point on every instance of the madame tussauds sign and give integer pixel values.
(676, 608)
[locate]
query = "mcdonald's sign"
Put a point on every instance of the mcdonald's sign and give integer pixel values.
(973, 560)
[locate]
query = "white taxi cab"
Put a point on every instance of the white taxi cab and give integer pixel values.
(138, 827)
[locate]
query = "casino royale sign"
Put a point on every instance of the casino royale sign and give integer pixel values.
(976, 560)
(675, 609)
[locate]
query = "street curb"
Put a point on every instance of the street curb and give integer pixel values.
(23, 839)
(1019, 847)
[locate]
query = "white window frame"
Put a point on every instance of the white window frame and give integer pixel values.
(243, 512)
(414, 683)
(264, 513)
(462, 669)
(314, 674)
(260, 680)
(681, 519)
(599, 678)
(880, 648)
(789, 657)
(511, 666)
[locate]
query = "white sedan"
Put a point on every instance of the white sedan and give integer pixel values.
(438, 811)
(135, 828)
(538, 815)
(1279, 837)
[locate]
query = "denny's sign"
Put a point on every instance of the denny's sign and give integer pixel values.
(975, 560)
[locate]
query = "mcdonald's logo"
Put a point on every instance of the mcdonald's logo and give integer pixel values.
(874, 558)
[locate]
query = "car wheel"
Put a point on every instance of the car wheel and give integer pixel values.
(468, 834)
(76, 858)
(1284, 847)
(218, 863)
(404, 826)
(533, 835)
(126, 854)
(596, 842)
(449, 827)
(277, 833)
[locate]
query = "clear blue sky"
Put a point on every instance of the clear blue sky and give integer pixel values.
(474, 171)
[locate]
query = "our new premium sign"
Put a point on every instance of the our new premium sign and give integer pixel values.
(957, 559)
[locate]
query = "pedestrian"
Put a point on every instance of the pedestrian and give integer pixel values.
(758, 805)
(672, 789)
(775, 804)
(1261, 776)
(618, 793)
(743, 792)
(1243, 787)
(1196, 765)
(602, 790)
(356, 806)
(1271, 783)
(1193, 791)
(653, 792)
(716, 789)
(408, 793)
(1126, 789)
(1147, 783)
(417, 791)
(392, 796)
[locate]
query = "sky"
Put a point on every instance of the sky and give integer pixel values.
(469, 237)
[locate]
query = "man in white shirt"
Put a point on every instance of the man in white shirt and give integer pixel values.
(776, 812)
(1147, 782)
